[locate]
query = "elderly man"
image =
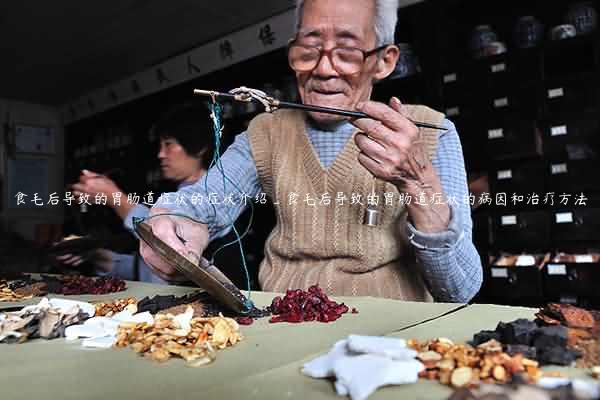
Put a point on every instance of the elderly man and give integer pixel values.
(420, 250)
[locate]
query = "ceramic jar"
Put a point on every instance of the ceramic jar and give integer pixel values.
(528, 32)
(583, 17)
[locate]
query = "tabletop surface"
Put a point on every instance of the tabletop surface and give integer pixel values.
(265, 365)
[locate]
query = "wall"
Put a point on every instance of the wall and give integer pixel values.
(20, 219)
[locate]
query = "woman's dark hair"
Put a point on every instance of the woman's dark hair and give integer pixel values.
(189, 124)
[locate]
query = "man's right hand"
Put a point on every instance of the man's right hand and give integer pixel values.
(93, 184)
(185, 236)
(102, 259)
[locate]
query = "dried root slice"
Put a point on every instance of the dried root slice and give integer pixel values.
(445, 376)
(461, 377)
(499, 373)
(447, 364)
(114, 307)
(491, 346)
(196, 343)
(429, 358)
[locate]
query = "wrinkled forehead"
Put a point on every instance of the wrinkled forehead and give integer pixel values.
(331, 29)
(340, 19)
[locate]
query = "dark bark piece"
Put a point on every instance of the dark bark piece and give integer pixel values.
(519, 331)
(550, 336)
(485, 336)
(527, 351)
(557, 356)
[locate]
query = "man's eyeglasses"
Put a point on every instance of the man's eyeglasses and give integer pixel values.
(345, 60)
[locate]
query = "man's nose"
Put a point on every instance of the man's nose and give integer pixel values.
(324, 68)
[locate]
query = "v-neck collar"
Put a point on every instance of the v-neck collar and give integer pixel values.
(324, 179)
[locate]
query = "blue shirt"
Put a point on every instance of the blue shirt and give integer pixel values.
(451, 265)
(124, 264)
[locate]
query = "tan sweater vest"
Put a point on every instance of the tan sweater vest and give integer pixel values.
(329, 245)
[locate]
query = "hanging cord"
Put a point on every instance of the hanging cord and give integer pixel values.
(216, 162)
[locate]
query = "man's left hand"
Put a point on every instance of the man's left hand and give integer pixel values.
(392, 151)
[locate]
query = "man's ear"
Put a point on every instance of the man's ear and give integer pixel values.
(386, 62)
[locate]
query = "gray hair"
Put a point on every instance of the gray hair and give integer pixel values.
(386, 17)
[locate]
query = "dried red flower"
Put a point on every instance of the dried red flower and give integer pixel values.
(311, 305)
(78, 284)
(245, 320)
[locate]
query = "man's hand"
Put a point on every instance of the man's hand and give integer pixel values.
(101, 259)
(186, 237)
(95, 184)
(391, 151)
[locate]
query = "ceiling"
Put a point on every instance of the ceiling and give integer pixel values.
(54, 51)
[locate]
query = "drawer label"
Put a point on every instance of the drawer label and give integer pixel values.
(448, 78)
(558, 130)
(559, 168)
(498, 67)
(557, 92)
(495, 133)
(564, 218)
(557, 269)
(453, 111)
(502, 102)
(499, 273)
(509, 220)
(505, 174)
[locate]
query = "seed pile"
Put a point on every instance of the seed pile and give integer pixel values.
(111, 308)
(461, 365)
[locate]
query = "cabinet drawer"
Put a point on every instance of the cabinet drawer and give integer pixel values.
(516, 283)
(571, 136)
(521, 231)
(508, 139)
(572, 176)
(571, 280)
(562, 95)
(522, 178)
(575, 224)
